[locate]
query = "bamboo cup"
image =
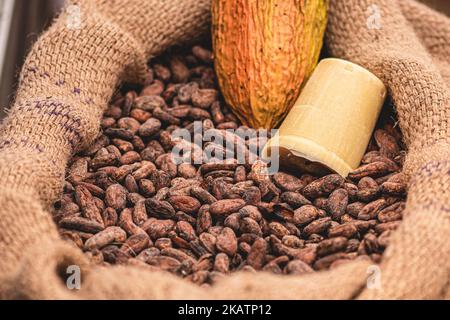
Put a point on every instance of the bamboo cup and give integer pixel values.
(331, 123)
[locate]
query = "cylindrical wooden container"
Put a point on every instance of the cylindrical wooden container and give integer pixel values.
(330, 125)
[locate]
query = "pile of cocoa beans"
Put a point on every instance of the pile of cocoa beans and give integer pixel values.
(127, 202)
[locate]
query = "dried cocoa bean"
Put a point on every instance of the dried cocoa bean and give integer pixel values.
(297, 267)
(87, 204)
(81, 224)
(374, 170)
(257, 255)
(135, 244)
(222, 263)
(294, 199)
(330, 246)
(287, 182)
(213, 216)
(160, 229)
(185, 230)
(317, 226)
(367, 189)
(208, 241)
(347, 230)
(323, 186)
(305, 215)
(116, 197)
(227, 242)
(226, 207)
(371, 210)
(337, 203)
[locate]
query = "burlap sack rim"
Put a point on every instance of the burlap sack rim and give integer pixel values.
(228, 285)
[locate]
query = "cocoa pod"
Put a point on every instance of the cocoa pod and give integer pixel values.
(254, 103)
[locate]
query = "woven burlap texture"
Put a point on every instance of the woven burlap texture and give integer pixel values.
(71, 73)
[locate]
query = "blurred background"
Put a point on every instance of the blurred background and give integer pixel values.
(21, 22)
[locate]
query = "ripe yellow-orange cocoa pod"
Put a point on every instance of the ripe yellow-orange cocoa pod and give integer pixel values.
(264, 51)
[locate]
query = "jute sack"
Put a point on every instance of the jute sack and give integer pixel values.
(71, 73)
